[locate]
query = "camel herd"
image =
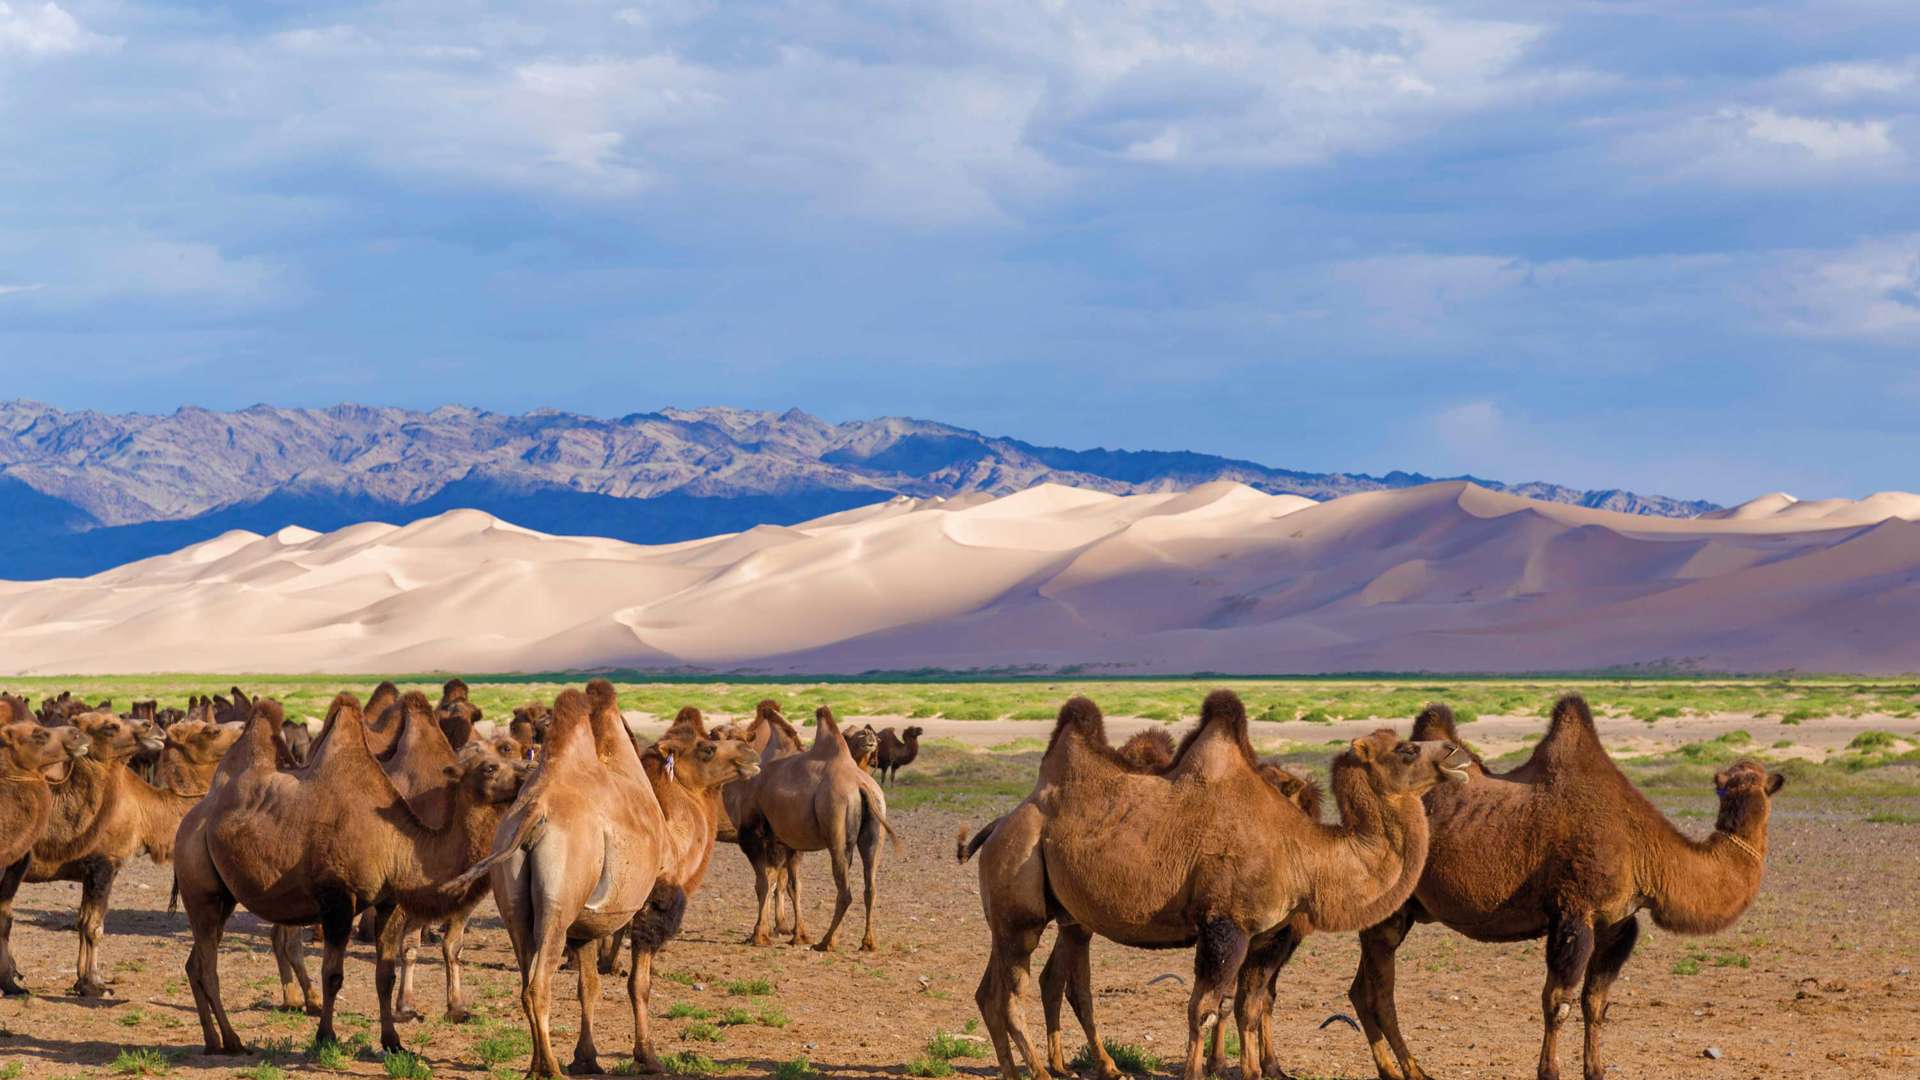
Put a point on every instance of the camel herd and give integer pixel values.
(408, 815)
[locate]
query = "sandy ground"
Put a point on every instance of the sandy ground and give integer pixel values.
(1817, 980)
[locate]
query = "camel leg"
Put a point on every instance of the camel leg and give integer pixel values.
(1008, 969)
(610, 952)
(290, 955)
(842, 864)
(1259, 1028)
(9, 888)
(586, 1056)
(1372, 997)
(208, 915)
(792, 879)
(756, 842)
(1073, 952)
(450, 945)
(640, 995)
(405, 1008)
(96, 888)
(869, 872)
(390, 929)
(1611, 948)
(652, 928)
(336, 929)
(1216, 965)
(1569, 948)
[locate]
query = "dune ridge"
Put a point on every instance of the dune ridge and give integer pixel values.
(1445, 577)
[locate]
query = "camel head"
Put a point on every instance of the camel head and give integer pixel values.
(915, 732)
(26, 746)
(491, 773)
(1746, 791)
(1396, 766)
(454, 690)
(861, 743)
(199, 742)
(704, 764)
(114, 739)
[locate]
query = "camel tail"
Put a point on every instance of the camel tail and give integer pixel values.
(875, 808)
(532, 828)
(173, 894)
(1340, 1018)
(963, 849)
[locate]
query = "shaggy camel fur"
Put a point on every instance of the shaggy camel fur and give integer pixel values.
(896, 753)
(33, 757)
(316, 846)
(102, 816)
(863, 743)
(1068, 976)
(1238, 860)
(1564, 847)
(773, 738)
(818, 800)
(457, 714)
(575, 859)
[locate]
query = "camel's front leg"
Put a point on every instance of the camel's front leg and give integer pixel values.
(450, 945)
(10, 888)
(1569, 948)
(1612, 947)
(336, 929)
(1216, 965)
(390, 929)
(290, 956)
(96, 889)
(999, 999)
(406, 1009)
(1372, 997)
(1073, 952)
(586, 1056)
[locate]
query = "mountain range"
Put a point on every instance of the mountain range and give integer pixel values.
(86, 490)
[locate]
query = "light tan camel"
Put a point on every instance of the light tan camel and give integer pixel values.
(1236, 860)
(773, 738)
(814, 801)
(318, 845)
(1564, 847)
(574, 860)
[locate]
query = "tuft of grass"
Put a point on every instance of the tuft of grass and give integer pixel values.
(929, 1066)
(131, 1018)
(328, 1055)
(797, 1069)
(1873, 740)
(262, 1071)
(1127, 1056)
(946, 1047)
(687, 1010)
(749, 988)
(735, 1017)
(12, 1070)
(142, 1062)
(680, 977)
(703, 1032)
(1686, 965)
(684, 1063)
(773, 1018)
(504, 1044)
(402, 1065)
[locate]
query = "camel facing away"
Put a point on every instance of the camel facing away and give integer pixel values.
(1237, 860)
(319, 844)
(819, 800)
(1564, 847)
(896, 753)
(772, 738)
(575, 859)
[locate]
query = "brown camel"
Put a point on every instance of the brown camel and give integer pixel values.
(317, 845)
(1564, 847)
(33, 757)
(862, 744)
(1068, 976)
(575, 859)
(1237, 860)
(457, 714)
(772, 737)
(102, 816)
(813, 801)
(896, 753)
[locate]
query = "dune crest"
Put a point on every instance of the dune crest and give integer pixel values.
(1221, 577)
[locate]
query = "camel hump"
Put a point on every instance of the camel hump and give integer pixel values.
(688, 719)
(1435, 722)
(454, 690)
(1222, 717)
(258, 745)
(383, 696)
(421, 764)
(1148, 751)
(1572, 741)
(827, 740)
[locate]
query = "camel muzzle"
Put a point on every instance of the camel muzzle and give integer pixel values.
(1453, 773)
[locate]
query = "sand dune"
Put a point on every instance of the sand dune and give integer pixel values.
(1446, 577)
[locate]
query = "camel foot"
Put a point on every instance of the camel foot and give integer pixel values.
(803, 938)
(869, 946)
(225, 1049)
(457, 1014)
(13, 988)
(89, 988)
(824, 946)
(648, 1062)
(759, 939)
(391, 1046)
(406, 1014)
(584, 1066)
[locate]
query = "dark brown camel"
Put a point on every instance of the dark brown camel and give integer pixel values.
(896, 753)
(1564, 847)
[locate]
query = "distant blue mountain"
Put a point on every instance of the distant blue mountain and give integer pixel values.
(87, 491)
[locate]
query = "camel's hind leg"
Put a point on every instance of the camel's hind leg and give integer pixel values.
(406, 1008)
(96, 889)
(869, 870)
(586, 1055)
(1612, 947)
(840, 840)
(390, 930)
(450, 945)
(1069, 975)
(757, 843)
(791, 877)
(336, 930)
(1001, 986)
(10, 888)
(1372, 997)
(652, 928)
(1569, 949)
(208, 915)
(1216, 965)
(1253, 1010)
(290, 956)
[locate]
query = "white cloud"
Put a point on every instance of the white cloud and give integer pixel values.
(9, 290)
(46, 30)
(1825, 140)
(1869, 291)
(1857, 79)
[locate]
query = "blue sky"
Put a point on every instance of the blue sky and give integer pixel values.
(1673, 247)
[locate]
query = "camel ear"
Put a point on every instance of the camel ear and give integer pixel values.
(451, 772)
(1775, 781)
(1720, 782)
(1363, 749)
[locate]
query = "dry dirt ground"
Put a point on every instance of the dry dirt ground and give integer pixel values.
(1817, 980)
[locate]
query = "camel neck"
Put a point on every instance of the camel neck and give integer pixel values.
(1380, 849)
(1702, 886)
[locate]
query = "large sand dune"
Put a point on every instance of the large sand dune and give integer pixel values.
(1446, 577)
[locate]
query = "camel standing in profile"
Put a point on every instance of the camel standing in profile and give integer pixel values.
(772, 738)
(1564, 847)
(574, 860)
(818, 800)
(1234, 860)
(29, 751)
(322, 843)
(896, 753)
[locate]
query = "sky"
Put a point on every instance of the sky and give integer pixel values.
(1668, 247)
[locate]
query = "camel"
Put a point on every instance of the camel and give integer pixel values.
(813, 801)
(772, 737)
(1067, 975)
(102, 815)
(896, 753)
(317, 845)
(33, 758)
(1238, 861)
(687, 770)
(576, 858)
(457, 714)
(862, 745)
(1564, 847)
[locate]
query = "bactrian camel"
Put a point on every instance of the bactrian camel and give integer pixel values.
(1235, 860)
(1564, 847)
